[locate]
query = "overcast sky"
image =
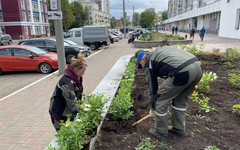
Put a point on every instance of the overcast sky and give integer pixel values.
(116, 6)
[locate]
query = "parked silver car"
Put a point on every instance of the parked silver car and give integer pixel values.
(5, 39)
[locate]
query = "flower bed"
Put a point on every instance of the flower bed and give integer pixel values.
(205, 127)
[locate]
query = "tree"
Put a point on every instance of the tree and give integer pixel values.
(80, 14)
(68, 17)
(147, 19)
(127, 23)
(113, 23)
(164, 15)
(136, 19)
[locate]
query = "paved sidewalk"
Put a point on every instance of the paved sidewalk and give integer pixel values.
(24, 119)
(212, 41)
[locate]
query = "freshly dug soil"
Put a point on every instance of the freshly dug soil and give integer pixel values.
(219, 128)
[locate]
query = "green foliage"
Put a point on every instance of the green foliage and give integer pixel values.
(146, 144)
(159, 36)
(80, 14)
(236, 109)
(113, 22)
(136, 19)
(147, 19)
(137, 52)
(211, 148)
(74, 134)
(234, 78)
(229, 65)
(203, 103)
(164, 15)
(68, 17)
(194, 50)
(232, 53)
(206, 80)
(122, 102)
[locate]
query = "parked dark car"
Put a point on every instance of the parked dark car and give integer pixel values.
(50, 45)
(5, 39)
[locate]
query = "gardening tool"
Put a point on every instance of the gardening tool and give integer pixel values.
(139, 121)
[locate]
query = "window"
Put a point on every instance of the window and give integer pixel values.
(38, 30)
(28, 6)
(238, 20)
(29, 18)
(1, 17)
(51, 43)
(21, 52)
(24, 16)
(5, 52)
(78, 34)
(26, 30)
(22, 4)
(36, 43)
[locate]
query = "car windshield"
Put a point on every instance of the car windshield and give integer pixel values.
(37, 50)
(70, 42)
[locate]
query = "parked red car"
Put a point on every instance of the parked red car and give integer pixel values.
(27, 58)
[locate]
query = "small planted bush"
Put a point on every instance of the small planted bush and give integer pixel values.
(74, 134)
(211, 148)
(206, 80)
(236, 109)
(203, 103)
(232, 53)
(234, 79)
(194, 50)
(146, 144)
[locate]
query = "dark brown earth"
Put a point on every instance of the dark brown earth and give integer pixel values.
(220, 128)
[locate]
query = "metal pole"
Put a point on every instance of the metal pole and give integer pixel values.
(59, 41)
(133, 20)
(124, 26)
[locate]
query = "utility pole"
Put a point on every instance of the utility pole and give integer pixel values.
(59, 41)
(133, 20)
(124, 26)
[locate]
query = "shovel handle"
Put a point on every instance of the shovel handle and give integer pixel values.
(139, 121)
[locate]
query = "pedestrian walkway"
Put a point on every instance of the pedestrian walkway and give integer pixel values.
(211, 41)
(24, 119)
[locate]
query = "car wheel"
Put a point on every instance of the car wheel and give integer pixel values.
(10, 42)
(69, 57)
(93, 46)
(45, 68)
(0, 71)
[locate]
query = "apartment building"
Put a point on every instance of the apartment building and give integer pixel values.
(217, 16)
(99, 12)
(24, 18)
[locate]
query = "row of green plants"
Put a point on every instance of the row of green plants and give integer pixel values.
(122, 102)
(160, 37)
(77, 133)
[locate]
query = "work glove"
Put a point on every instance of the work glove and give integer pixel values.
(152, 113)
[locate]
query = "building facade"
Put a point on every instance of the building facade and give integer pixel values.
(99, 12)
(217, 16)
(24, 18)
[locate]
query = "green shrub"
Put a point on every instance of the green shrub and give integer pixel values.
(234, 78)
(122, 102)
(236, 109)
(211, 148)
(193, 50)
(232, 53)
(146, 144)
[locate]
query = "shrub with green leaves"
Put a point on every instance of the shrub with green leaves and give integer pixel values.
(234, 79)
(122, 102)
(203, 103)
(194, 50)
(206, 80)
(74, 134)
(232, 53)
(236, 109)
(211, 148)
(146, 144)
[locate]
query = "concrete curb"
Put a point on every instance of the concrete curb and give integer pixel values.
(108, 87)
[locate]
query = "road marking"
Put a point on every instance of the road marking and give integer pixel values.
(39, 80)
